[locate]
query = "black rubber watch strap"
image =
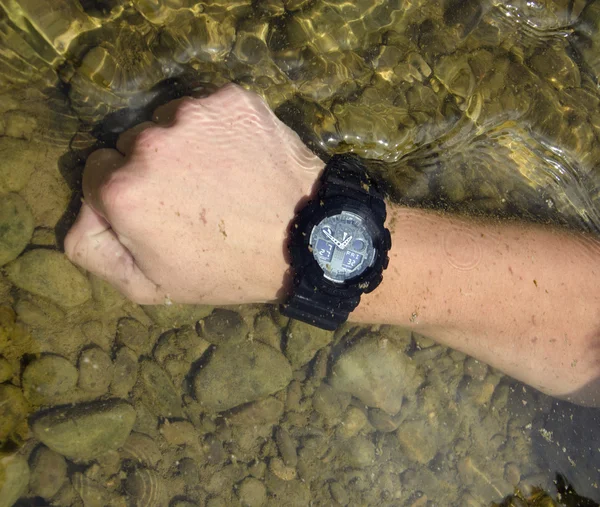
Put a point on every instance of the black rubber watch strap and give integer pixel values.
(316, 308)
(346, 174)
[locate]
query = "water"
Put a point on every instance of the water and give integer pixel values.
(487, 108)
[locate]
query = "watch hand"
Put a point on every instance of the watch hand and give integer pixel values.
(346, 243)
(335, 241)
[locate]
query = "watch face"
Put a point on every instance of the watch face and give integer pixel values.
(342, 246)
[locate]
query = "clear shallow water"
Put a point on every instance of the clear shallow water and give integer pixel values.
(478, 107)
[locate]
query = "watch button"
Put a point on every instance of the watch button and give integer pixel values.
(386, 262)
(388, 239)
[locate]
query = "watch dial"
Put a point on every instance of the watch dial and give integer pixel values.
(342, 246)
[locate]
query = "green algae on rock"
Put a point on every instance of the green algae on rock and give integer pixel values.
(14, 478)
(49, 274)
(87, 430)
(49, 379)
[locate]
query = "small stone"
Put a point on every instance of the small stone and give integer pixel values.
(87, 430)
(14, 478)
(16, 226)
(179, 432)
(135, 335)
(252, 492)
(281, 470)
(95, 370)
(353, 421)
(176, 315)
(377, 372)
(44, 236)
(415, 440)
(146, 488)
(224, 326)
(359, 452)
(6, 370)
(512, 474)
(48, 472)
(267, 331)
(49, 274)
(13, 410)
(18, 162)
(382, 421)
(49, 379)
(141, 449)
(303, 341)
(240, 373)
(125, 372)
(339, 494)
(157, 391)
(286, 446)
(475, 369)
(257, 413)
(92, 493)
(47, 195)
(330, 403)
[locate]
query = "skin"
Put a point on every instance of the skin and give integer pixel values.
(195, 208)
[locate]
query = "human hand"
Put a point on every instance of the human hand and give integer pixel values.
(195, 206)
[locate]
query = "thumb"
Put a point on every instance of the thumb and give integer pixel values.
(92, 244)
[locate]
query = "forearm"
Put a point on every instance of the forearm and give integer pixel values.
(522, 298)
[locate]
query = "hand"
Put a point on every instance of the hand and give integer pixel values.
(196, 211)
(333, 240)
(346, 242)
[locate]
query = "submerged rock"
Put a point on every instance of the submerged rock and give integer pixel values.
(16, 227)
(49, 274)
(238, 374)
(48, 472)
(146, 489)
(377, 372)
(49, 379)
(13, 409)
(303, 341)
(14, 478)
(87, 430)
(157, 391)
(95, 370)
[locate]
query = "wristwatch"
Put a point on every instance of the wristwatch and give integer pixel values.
(338, 245)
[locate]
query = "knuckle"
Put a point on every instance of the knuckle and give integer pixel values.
(118, 196)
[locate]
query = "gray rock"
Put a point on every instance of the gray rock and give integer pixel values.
(141, 449)
(330, 403)
(13, 409)
(14, 478)
(49, 274)
(125, 371)
(359, 452)
(257, 413)
(48, 472)
(224, 327)
(157, 391)
(241, 373)
(18, 163)
(87, 430)
(16, 227)
(417, 441)
(252, 492)
(377, 372)
(303, 341)
(95, 370)
(49, 380)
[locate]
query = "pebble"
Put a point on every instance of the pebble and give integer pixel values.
(281, 470)
(416, 441)
(262, 412)
(95, 370)
(223, 326)
(18, 163)
(16, 227)
(125, 371)
(475, 369)
(353, 421)
(330, 403)
(303, 341)
(6, 370)
(377, 372)
(48, 472)
(14, 478)
(157, 391)
(13, 410)
(267, 331)
(240, 373)
(135, 335)
(146, 489)
(359, 452)
(252, 492)
(286, 446)
(176, 315)
(49, 274)
(87, 430)
(99, 334)
(49, 379)
(338, 493)
(179, 432)
(91, 492)
(382, 421)
(141, 449)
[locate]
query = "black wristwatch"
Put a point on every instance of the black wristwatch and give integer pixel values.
(338, 245)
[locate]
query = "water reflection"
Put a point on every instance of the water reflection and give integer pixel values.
(482, 107)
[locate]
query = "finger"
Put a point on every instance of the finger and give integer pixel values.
(127, 139)
(93, 245)
(100, 166)
(165, 114)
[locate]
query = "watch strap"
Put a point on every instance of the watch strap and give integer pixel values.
(317, 308)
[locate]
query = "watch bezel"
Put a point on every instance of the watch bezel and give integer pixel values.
(304, 262)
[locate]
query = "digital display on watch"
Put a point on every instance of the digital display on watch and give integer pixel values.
(342, 246)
